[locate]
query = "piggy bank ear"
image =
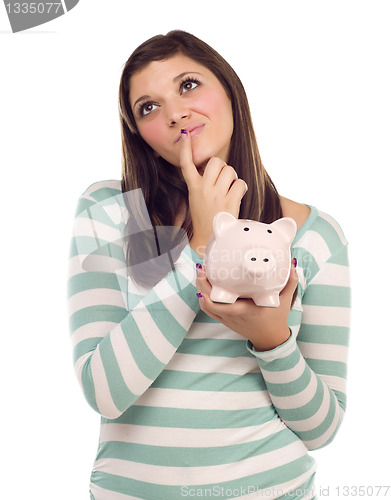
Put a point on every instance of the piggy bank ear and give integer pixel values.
(223, 221)
(287, 226)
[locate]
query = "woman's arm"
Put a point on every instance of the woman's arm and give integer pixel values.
(306, 375)
(302, 353)
(118, 353)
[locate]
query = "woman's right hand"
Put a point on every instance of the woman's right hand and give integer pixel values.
(218, 189)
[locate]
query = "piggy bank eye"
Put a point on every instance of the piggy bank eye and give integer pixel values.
(246, 229)
(253, 258)
(269, 231)
(265, 260)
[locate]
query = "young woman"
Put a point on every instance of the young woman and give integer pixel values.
(200, 398)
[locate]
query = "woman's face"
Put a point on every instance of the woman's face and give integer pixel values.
(179, 93)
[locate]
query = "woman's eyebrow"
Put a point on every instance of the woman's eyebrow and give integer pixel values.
(183, 74)
(143, 97)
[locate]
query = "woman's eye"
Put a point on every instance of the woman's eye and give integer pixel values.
(147, 108)
(189, 84)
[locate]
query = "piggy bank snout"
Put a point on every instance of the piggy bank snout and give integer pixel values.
(259, 261)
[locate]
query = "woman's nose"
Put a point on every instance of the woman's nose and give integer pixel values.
(177, 111)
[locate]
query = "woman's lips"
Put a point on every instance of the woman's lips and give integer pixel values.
(196, 131)
(193, 130)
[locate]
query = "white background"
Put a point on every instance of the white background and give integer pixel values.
(318, 80)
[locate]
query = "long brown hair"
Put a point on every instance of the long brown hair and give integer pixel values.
(162, 188)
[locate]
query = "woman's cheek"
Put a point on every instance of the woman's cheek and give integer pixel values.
(151, 135)
(212, 103)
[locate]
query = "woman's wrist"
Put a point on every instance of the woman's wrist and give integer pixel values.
(268, 343)
(199, 246)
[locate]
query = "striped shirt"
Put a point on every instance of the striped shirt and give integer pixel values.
(188, 408)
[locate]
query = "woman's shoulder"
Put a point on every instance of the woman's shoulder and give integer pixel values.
(101, 195)
(318, 233)
(309, 218)
(100, 190)
(296, 211)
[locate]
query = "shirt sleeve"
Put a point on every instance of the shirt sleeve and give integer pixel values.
(306, 376)
(121, 343)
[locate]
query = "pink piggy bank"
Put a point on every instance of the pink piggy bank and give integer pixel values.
(246, 258)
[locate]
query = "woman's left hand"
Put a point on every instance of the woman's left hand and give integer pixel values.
(265, 327)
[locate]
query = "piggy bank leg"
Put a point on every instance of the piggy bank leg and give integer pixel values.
(267, 300)
(219, 294)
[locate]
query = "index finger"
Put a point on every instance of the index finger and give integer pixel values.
(189, 170)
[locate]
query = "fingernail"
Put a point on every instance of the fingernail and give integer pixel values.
(183, 131)
(199, 295)
(294, 261)
(198, 265)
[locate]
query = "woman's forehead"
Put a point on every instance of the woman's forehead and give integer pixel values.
(175, 61)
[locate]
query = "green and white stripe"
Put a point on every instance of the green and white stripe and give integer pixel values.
(187, 407)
